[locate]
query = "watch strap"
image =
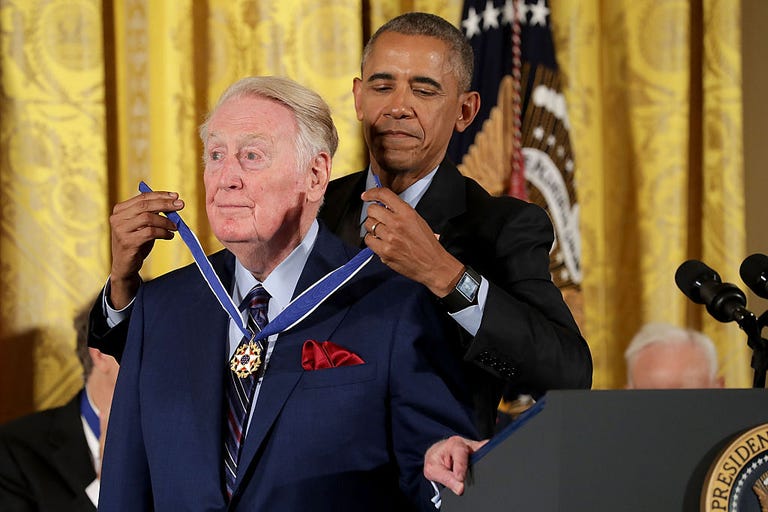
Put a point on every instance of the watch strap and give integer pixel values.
(465, 293)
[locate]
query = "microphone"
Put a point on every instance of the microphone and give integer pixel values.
(724, 301)
(754, 273)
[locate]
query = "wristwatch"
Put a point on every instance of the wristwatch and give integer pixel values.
(464, 294)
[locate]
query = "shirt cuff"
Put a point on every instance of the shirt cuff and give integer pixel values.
(471, 316)
(112, 315)
(436, 499)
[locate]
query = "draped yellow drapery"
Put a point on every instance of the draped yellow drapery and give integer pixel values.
(53, 238)
(98, 95)
(654, 95)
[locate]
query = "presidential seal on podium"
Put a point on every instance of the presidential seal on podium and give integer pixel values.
(737, 481)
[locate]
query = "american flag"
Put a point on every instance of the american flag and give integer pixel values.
(519, 143)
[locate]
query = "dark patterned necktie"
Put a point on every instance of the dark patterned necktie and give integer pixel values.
(243, 373)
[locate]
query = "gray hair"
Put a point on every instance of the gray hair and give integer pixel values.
(424, 24)
(316, 131)
(669, 334)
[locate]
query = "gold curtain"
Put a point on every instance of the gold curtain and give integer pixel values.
(654, 96)
(98, 95)
(53, 239)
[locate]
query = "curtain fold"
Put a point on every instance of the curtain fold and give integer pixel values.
(722, 196)
(53, 245)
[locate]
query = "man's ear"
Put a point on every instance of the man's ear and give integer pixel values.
(357, 85)
(318, 177)
(470, 106)
(101, 362)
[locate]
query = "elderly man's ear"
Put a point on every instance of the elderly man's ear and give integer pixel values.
(318, 177)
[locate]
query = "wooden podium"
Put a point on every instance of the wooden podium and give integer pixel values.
(610, 451)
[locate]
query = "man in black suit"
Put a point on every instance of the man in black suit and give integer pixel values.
(513, 323)
(486, 259)
(50, 460)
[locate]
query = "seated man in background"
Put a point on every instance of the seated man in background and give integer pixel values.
(662, 356)
(51, 460)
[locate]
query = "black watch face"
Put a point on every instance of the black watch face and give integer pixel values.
(468, 287)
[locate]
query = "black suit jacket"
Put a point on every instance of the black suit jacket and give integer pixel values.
(45, 462)
(527, 339)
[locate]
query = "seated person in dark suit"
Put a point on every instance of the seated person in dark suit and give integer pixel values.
(50, 460)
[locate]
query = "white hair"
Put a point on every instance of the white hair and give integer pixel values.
(669, 334)
(316, 130)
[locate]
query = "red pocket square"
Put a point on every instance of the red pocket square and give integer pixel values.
(317, 356)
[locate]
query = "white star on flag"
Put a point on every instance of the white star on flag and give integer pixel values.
(490, 16)
(522, 11)
(507, 13)
(472, 23)
(539, 13)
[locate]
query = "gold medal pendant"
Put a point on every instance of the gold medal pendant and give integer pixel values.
(247, 359)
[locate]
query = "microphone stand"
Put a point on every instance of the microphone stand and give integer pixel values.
(753, 326)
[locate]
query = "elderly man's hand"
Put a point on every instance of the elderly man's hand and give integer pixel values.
(136, 224)
(446, 462)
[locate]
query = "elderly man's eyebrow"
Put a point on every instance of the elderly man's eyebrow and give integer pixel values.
(244, 137)
(253, 137)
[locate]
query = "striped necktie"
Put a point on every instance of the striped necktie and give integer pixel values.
(243, 373)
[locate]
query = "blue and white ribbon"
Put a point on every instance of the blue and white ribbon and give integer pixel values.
(296, 311)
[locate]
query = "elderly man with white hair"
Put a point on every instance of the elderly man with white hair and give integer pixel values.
(662, 356)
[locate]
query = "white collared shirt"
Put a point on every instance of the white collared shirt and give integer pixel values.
(92, 490)
(280, 284)
(412, 195)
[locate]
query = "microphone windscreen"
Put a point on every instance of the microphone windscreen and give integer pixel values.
(754, 273)
(689, 277)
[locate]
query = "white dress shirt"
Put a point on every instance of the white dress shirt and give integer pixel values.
(93, 446)
(280, 284)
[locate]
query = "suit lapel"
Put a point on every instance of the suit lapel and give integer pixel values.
(204, 324)
(284, 368)
(69, 449)
(341, 211)
(444, 199)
